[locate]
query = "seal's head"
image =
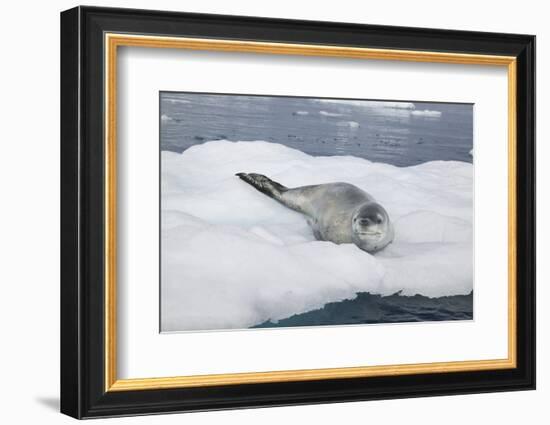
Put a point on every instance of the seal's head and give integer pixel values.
(371, 227)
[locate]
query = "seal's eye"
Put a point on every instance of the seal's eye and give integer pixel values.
(378, 219)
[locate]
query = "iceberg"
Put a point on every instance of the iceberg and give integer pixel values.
(233, 258)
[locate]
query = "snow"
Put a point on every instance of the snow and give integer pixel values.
(233, 258)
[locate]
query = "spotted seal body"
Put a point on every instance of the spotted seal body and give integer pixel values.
(337, 212)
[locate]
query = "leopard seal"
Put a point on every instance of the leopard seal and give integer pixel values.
(336, 212)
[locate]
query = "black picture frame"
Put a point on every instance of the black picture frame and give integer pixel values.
(83, 392)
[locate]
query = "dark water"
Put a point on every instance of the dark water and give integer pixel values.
(396, 133)
(401, 134)
(369, 308)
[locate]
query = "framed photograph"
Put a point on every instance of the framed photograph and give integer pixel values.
(261, 212)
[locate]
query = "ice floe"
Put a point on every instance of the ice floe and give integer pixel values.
(233, 258)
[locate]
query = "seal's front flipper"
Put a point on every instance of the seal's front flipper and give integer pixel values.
(264, 184)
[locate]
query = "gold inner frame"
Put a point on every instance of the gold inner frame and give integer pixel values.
(113, 41)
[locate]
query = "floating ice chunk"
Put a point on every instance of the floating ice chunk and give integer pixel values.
(330, 114)
(165, 118)
(175, 100)
(300, 113)
(426, 113)
(370, 103)
(234, 258)
(350, 124)
(398, 105)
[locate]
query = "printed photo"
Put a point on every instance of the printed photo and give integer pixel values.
(281, 211)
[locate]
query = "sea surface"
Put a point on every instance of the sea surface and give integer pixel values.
(369, 308)
(401, 133)
(398, 133)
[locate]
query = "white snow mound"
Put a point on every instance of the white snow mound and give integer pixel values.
(233, 258)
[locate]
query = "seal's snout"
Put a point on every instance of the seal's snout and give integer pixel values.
(371, 220)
